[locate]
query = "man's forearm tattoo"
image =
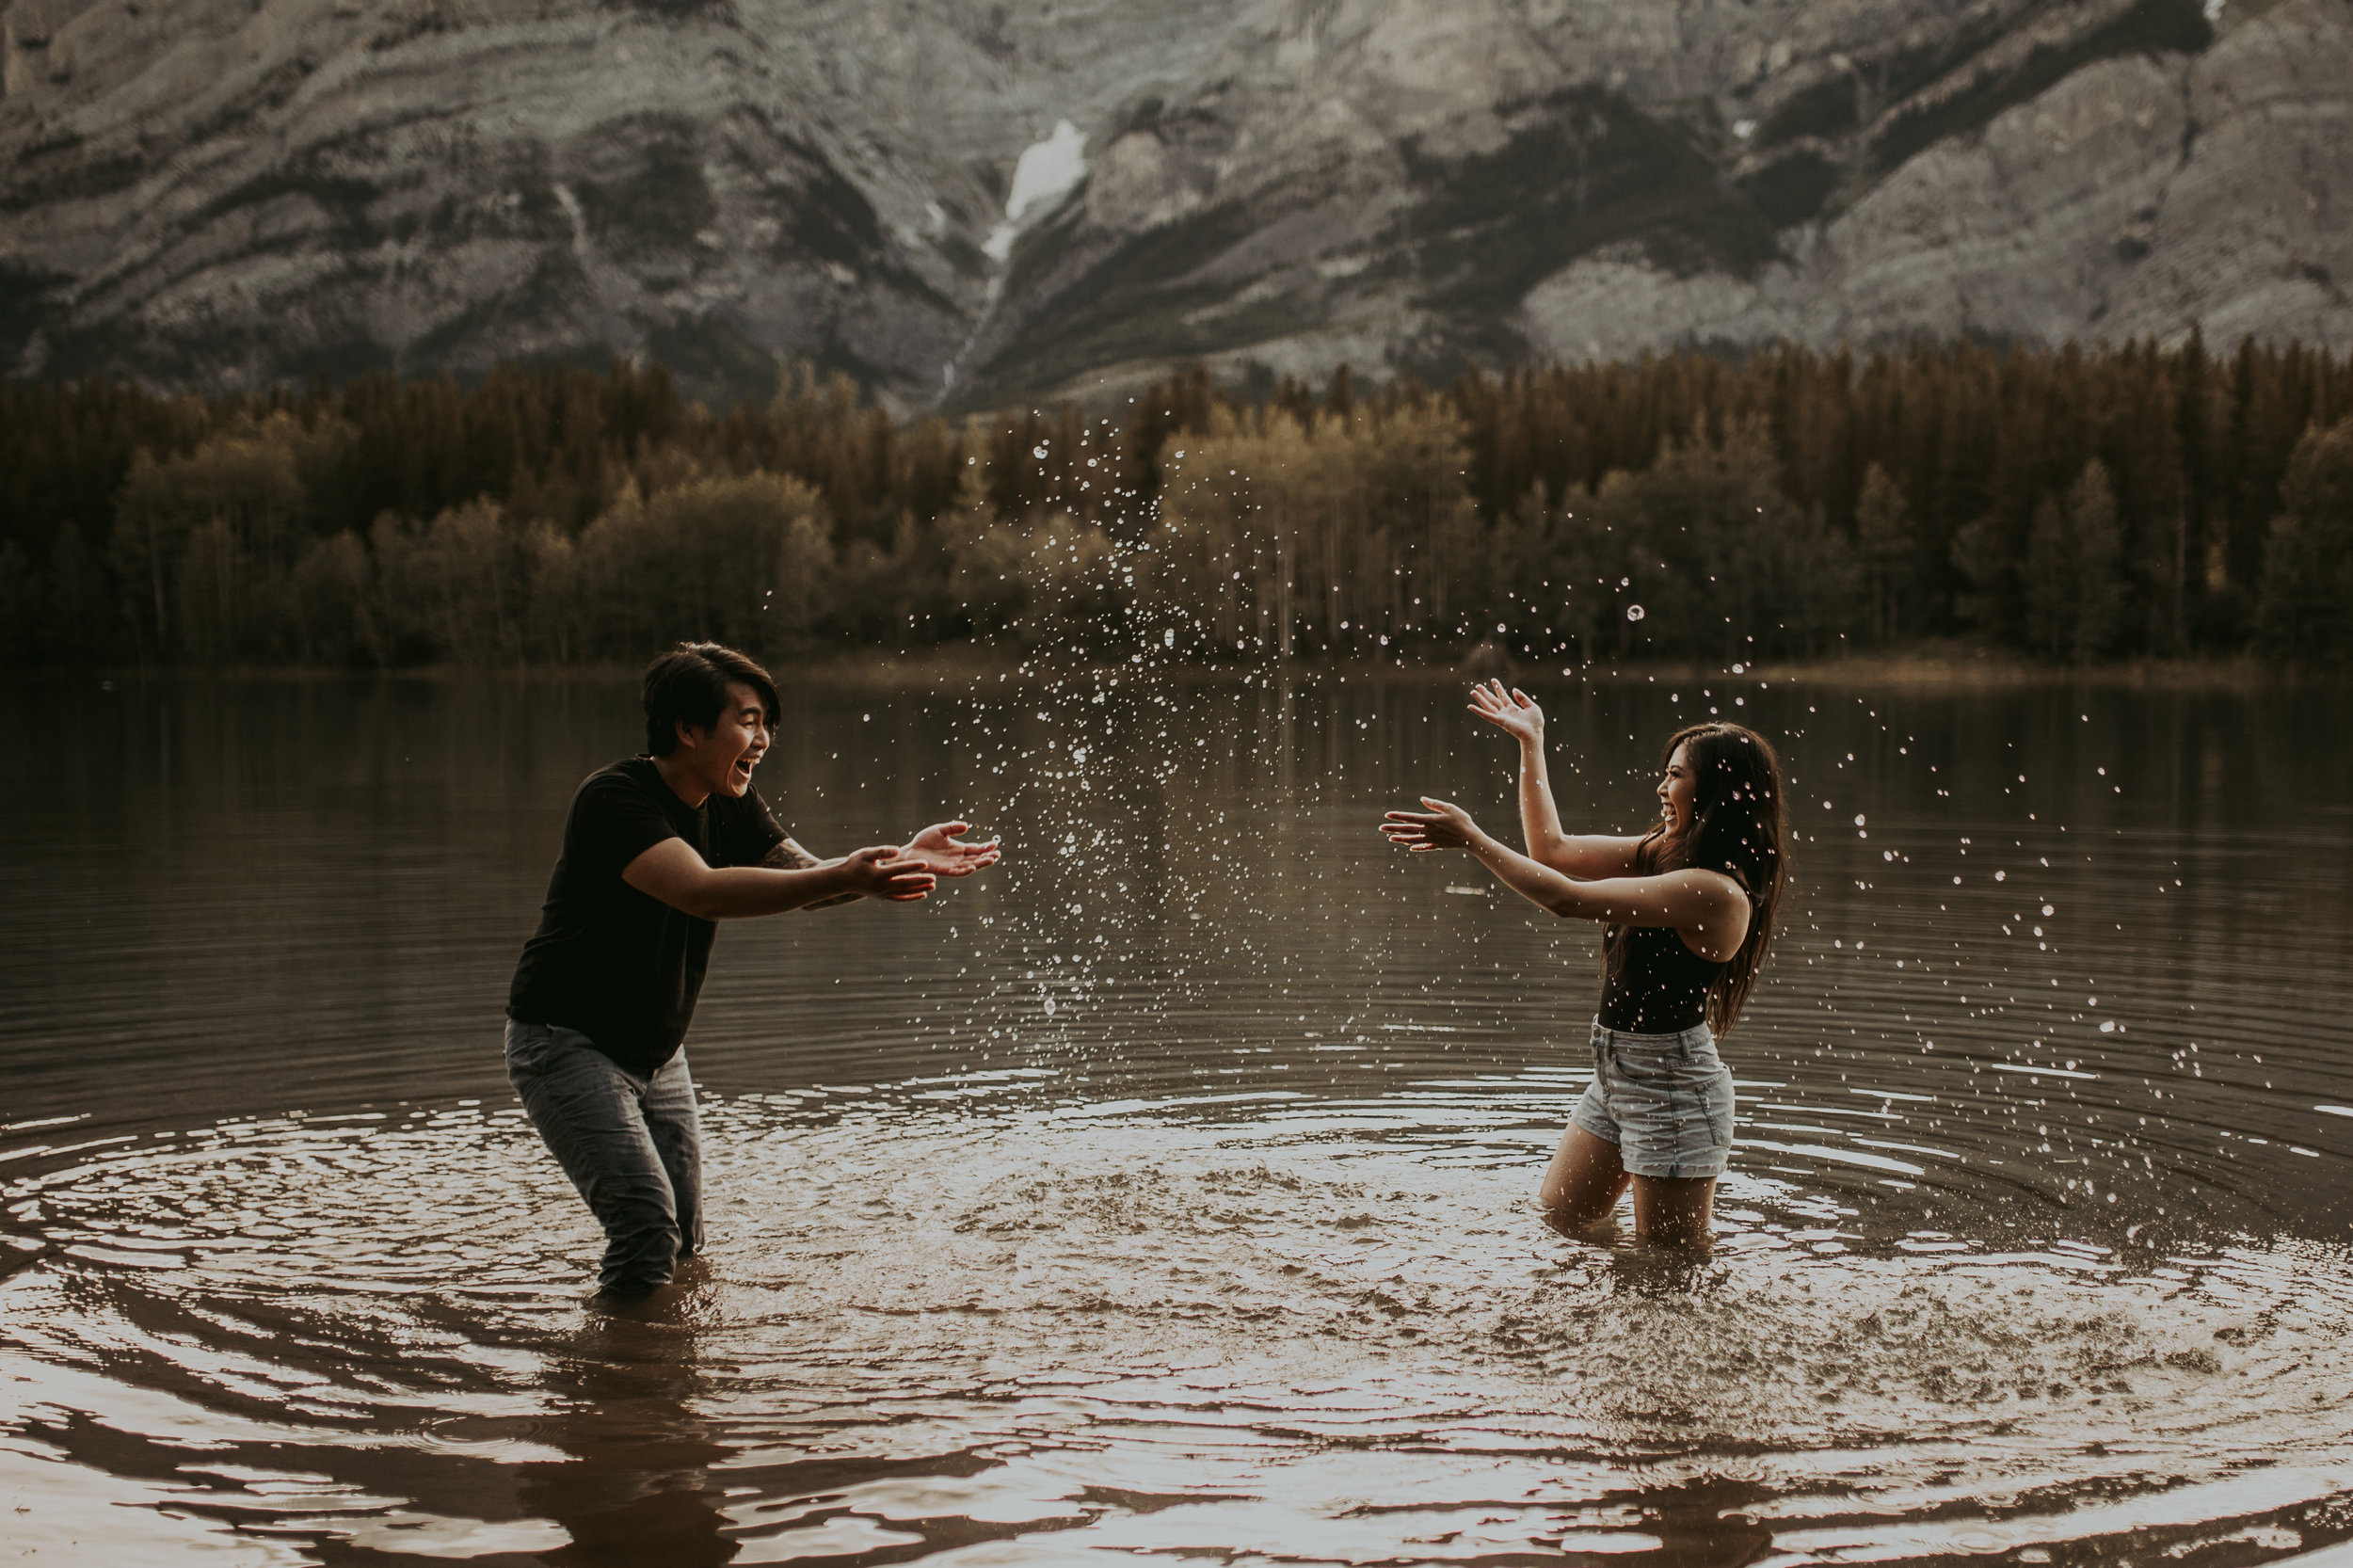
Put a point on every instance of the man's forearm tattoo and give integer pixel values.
(789, 857)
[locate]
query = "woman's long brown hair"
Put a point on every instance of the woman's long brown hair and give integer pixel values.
(1738, 824)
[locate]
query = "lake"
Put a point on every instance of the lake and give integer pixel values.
(1164, 1190)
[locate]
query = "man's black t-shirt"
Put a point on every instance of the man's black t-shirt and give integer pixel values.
(619, 967)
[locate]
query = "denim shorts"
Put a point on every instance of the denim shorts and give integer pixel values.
(1664, 1099)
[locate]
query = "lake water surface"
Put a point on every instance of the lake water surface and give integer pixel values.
(1161, 1193)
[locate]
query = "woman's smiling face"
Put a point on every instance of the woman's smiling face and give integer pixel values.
(1676, 789)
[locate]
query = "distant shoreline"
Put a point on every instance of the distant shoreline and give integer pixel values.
(1943, 665)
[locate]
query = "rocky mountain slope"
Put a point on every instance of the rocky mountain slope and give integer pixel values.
(967, 201)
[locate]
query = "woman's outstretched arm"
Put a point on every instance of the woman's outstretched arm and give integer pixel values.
(1516, 714)
(1707, 907)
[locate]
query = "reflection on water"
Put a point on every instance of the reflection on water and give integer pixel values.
(1165, 1192)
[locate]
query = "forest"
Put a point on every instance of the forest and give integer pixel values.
(2074, 505)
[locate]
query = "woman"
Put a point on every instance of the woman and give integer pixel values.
(1688, 911)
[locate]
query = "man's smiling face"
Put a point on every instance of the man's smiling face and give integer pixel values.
(724, 755)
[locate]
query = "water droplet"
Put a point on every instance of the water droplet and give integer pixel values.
(1038, 452)
(1634, 612)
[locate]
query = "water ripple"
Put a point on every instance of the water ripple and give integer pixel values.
(1165, 1190)
(1125, 1326)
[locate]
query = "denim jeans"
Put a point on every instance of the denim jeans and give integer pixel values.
(632, 1146)
(1664, 1099)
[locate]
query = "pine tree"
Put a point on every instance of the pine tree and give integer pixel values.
(1889, 549)
(2305, 611)
(2075, 591)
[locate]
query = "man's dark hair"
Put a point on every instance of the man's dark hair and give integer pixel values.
(689, 685)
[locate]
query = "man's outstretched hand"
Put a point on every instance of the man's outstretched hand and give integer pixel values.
(940, 852)
(887, 872)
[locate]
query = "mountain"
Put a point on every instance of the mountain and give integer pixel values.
(967, 201)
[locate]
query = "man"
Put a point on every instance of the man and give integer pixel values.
(655, 850)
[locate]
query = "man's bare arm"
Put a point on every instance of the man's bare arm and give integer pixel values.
(673, 873)
(789, 857)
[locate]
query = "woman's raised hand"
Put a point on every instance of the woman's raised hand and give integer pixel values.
(1514, 711)
(1445, 825)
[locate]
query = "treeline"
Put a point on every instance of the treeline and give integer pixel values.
(2078, 504)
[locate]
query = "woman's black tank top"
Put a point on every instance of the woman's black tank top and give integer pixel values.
(1654, 984)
